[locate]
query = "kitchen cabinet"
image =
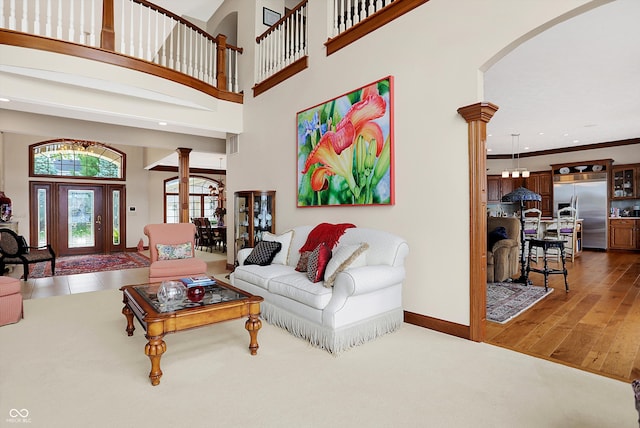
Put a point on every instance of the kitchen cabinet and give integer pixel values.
(542, 184)
(624, 234)
(624, 181)
(497, 187)
(254, 214)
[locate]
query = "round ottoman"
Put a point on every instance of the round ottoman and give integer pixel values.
(10, 300)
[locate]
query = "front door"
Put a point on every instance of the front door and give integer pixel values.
(78, 218)
(81, 218)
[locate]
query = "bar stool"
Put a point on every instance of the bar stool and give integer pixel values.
(10, 300)
(545, 245)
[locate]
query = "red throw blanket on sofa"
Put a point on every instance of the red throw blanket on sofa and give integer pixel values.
(327, 233)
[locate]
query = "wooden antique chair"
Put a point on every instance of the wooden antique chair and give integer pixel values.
(567, 230)
(15, 251)
(532, 218)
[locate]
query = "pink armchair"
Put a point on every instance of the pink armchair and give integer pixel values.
(172, 251)
(10, 300)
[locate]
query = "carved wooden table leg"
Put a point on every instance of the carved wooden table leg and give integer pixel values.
(129, 314)
(154, 350)
(252, 325)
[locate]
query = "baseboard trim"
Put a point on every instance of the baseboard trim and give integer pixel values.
(436, 324)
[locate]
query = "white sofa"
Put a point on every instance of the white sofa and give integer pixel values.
(364, 303)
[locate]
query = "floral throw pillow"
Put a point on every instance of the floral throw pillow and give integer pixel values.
(171, 252)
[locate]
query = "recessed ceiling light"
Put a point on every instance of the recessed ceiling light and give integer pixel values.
(490, 135)
(541, 133)
(4, 100)
(489, 149)
(566, 135)
(162, 123)
(576, 141)
(526, 148)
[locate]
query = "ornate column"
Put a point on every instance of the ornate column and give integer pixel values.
(183, 183)
(477, 116)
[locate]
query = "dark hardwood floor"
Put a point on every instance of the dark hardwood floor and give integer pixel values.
(594, 327)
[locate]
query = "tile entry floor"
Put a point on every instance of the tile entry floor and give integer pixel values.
(81, 283)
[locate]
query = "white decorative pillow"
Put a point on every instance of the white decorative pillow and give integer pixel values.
(282, 258)
(178, 251)
(344, 256)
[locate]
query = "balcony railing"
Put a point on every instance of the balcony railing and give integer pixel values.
(284, 43)
(133, 28)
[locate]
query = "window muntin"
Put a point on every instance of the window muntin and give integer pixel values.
(202, 203)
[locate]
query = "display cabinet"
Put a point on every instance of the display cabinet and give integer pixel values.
(255, 213)
(625, 181)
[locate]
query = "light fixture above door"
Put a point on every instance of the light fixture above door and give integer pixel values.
(516, 171)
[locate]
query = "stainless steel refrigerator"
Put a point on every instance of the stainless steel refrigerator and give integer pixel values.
(588, 194)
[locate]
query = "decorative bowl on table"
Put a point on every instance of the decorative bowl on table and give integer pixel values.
(195, 293)
(171, 292)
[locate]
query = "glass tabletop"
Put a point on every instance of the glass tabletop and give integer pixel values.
(213, 293)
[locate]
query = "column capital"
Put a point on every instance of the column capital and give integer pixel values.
(479, 111)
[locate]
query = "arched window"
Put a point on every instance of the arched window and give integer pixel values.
(205, 196)
(76, 159)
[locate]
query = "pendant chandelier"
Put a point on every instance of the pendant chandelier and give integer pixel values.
(516, 171)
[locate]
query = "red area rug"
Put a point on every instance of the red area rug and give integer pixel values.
(72, 265)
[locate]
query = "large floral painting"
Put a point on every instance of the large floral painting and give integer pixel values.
(345, 149)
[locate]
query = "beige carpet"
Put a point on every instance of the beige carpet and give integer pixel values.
(69, 363)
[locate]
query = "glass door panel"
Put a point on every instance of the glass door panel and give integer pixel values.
(80, 230)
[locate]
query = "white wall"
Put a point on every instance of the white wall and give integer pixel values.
(435, 60)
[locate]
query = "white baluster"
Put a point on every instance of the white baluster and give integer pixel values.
(47, 25)
(123, 30)
(24, 24)
(59, 23)
(378, 5)
(82, 34)
(349, 15)
(132, 48)
(149, 57)
(2, 15)
(163, 62)
(343, 16)
(191, 55)
(235, 73)
(92, 39)
(156, 53)
(370, 9)
(185, 59)
(363, 10)
(178, 65)
(36, 20)
(171, 62)
(12, 15)
(140, 37)
(72, 30)
(214, 63)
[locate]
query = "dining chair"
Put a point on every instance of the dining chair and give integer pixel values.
(567, 230)
(532, 218)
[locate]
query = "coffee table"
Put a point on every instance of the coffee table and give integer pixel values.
(221, 302)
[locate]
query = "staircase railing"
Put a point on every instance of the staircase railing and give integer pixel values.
(347, 13)
(135, 28)
(284, 43)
